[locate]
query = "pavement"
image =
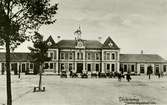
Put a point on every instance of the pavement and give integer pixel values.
(91, 91)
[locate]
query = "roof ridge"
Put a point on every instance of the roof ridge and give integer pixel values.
(140, 54)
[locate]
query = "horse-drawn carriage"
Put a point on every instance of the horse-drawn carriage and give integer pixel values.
(63, 74)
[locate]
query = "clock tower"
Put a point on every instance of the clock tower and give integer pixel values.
(78, 33)
(79, 41)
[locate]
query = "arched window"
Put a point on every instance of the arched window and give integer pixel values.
(108, 56)
(62, 55)
(78, 55)
(113, 67)
(88, 54)
(113, 56)
(70, 55)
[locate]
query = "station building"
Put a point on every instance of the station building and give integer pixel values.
(81, 55)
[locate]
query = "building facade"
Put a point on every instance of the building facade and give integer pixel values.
(139, 63)
(83, 55)
(89, 56)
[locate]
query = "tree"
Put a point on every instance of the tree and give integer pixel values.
(39, 55)
(149, 71)
(17, 18)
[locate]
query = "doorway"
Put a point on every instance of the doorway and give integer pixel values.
(79, 67)
(23, 67)
(14, 68)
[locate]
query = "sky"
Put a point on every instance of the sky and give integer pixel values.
(134, 25)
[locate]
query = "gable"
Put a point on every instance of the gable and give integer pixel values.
(110, 44)
(50, 42)
(80, 44)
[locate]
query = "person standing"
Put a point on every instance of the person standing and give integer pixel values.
(149, 71)
(128, 78)
(119, 76)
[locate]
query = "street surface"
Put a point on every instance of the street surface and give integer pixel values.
(91, 91)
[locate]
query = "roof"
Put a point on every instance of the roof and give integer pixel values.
(94, 44)
(25, 57)
(19, 57)
(141, 58)
(110, 44)
(66, 44)
(89, 44)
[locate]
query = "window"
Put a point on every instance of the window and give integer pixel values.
(47, 54)
(113, 67)
(125, 68)
(108, 56)
(79, 55)
(89, 67)
(88, 54)
(51, 65)
(141, 68)
(55, 54)
(11, 67)
(31, 66)
(70, 56)
(62, 66)
(46, 66)
(97, 67)
(156, 69)
(132, 68)
(113, 56)
(97, 56)
(51, 55)
(108, 67)
(62, 56)
(164, 68)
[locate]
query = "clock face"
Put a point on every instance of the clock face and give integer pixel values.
(80, 44)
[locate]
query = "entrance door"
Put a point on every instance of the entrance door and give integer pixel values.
(14, 67)
(79, 67)
(23, 67)
(157, 70)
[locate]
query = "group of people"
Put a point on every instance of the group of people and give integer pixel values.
(120, 76)
(110, 75)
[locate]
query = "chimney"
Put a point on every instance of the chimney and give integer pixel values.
(141, 51)
(58, 38)
(99, 38)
